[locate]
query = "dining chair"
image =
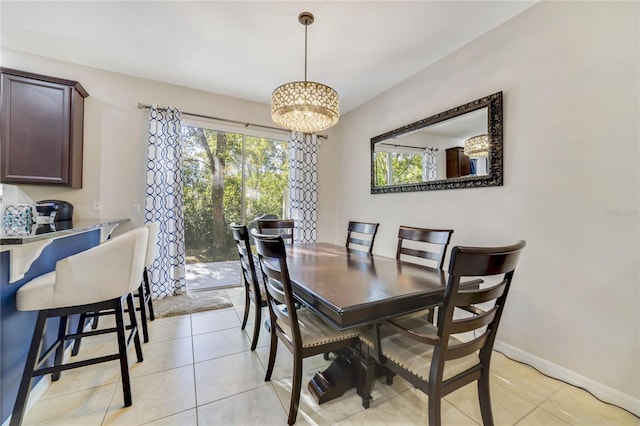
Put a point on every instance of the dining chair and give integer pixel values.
(361, 235)
(101, 278)
(441, 359)
(282, 227)
(423, 246)
(301, 331)
(253, 288)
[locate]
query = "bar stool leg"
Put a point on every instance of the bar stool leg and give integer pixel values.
(134, 326)
(62, 332)
(77, 340)
(145, 276)
(29, 366)
(143, 312)
(122, 348)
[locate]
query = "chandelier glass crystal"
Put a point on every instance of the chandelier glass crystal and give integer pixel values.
(477, 146)
(305, 106)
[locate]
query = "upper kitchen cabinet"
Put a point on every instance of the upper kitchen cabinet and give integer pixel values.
(41, 135)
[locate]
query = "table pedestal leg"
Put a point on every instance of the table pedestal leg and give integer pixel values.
(333, 382)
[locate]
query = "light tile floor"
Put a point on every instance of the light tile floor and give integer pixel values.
(198, 370)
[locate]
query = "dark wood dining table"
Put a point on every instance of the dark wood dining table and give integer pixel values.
(350, 288)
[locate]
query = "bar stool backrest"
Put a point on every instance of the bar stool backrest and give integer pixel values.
(104, 272)
(152, 245)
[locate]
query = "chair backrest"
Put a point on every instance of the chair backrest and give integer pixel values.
(475, 310)
(249, 275)
(415, 245)
(279, 227)
(152, 243)
(109, 270)
(361, 235)
(272, 256)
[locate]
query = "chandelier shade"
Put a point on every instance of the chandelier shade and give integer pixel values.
(477, 146)
(305, 106)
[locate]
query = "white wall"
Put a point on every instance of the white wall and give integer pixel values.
(569, 72)
(115, 132)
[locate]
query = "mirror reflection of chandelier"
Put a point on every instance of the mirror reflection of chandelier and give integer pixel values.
(305, 106)
(477, 146)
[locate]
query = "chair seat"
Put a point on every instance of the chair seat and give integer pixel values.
(416, 356)
(314, 331)
(37, 294)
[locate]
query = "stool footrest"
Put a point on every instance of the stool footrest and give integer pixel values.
(77, 364)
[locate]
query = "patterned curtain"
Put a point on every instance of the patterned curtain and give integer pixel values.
(163, 203)
(303, 186)
(429, 164)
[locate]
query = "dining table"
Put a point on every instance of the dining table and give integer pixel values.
(351, 288)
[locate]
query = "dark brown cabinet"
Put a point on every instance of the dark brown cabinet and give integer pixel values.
(458, 164)
(42, 122)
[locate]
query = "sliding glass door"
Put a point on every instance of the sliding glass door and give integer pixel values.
(228, 178)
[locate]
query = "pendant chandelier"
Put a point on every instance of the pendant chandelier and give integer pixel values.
(477, 146)
(305, 106)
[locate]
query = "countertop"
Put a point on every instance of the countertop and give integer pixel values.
(58, 229)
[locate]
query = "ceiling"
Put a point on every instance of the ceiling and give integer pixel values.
(246, 49)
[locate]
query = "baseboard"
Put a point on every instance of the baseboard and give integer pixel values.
(602, 392)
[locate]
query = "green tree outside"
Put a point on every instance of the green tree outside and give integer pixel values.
(213, 187)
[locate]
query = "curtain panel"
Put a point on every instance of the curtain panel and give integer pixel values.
(164, 201)
(303, 186)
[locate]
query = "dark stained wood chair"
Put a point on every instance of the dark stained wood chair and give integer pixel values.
(254, 290)
(301, 331)
(423, 246)
(432, 244)
(439, 360)
(281, 227)
(361, 235)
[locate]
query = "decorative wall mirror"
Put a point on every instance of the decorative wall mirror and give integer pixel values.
(458, 148)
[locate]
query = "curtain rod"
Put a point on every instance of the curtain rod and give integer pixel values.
(403, 146)
(245, 124)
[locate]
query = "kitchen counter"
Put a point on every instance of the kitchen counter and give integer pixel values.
(56, 230)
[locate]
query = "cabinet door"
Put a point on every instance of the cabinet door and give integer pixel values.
(37, 132)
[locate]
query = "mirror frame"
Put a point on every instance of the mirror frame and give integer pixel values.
(493, 103)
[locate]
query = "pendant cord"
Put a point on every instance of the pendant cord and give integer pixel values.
(305, 52)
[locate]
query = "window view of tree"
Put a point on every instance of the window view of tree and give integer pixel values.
(405, 168)
(228, 178)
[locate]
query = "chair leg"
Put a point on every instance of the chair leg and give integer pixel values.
(247, 306)
(62, 332)
(122, 350)
(143, 312)
(273, 349)
(435, 402)
(78, 340)
(295, 389)
(29, 366)
(366, 377)
(134, 326)
(484, 396)
(149, 299)
(256, 327)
